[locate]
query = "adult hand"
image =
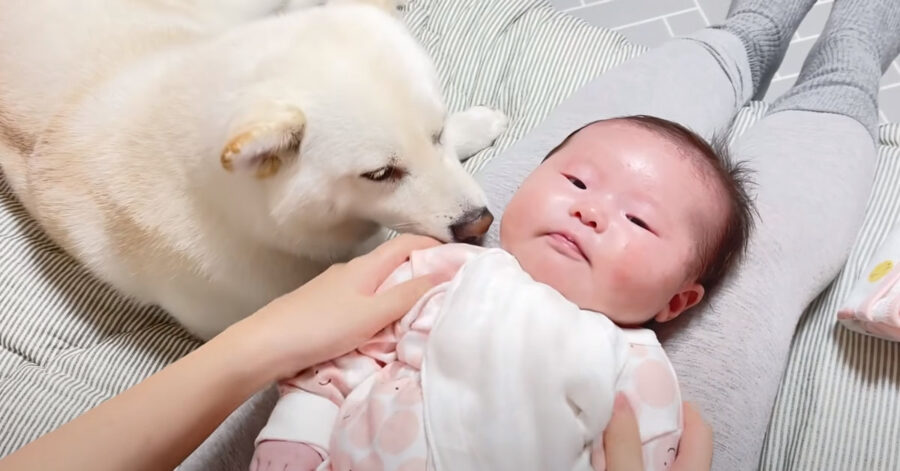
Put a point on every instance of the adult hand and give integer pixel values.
(336, 311)
(622, 442)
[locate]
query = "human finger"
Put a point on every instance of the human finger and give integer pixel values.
(621, 439)
(381, 262)
(696, 446)
(398, 300)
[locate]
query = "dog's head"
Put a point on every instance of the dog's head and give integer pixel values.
(359, 147)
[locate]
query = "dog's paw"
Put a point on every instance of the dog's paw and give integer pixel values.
(474, 129)
(492, 122)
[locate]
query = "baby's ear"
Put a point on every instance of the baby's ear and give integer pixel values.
(262, 140)
(687, 298)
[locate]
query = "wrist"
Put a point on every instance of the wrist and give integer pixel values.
(245, 354)
(260, 355)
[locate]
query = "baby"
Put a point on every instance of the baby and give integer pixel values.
(628, 220)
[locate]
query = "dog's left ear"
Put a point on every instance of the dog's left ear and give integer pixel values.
(263, 141)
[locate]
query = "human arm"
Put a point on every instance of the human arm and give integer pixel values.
(158, 422)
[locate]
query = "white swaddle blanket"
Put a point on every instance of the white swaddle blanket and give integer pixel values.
(516, 377)
(489, 371)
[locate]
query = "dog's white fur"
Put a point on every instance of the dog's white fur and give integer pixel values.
(207, 155)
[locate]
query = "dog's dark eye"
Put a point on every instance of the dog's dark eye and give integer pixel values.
(436, 137)
(578, 183)
(387, 173)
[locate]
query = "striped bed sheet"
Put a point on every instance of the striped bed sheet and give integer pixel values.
(68, 342)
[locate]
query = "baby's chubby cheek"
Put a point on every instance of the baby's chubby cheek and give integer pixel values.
(632, 292)
(628, 276)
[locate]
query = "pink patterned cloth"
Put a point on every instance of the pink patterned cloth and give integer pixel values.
(364, 410)
(873, 306)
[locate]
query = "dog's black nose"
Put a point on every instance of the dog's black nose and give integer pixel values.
(472, 225)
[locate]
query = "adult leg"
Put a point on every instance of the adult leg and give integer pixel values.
(699, 81)
(813, 156)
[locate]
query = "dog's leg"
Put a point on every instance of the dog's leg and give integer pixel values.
(472, 130)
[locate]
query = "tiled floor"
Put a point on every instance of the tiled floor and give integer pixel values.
(650, 22)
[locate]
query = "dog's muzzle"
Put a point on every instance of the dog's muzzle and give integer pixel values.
(472, 225)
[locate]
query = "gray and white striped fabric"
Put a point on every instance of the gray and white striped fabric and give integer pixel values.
(68, 342)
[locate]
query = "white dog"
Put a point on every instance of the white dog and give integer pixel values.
(210, 155)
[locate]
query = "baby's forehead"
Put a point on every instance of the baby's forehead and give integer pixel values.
(596, 141)
(638, 131)
(672, 141)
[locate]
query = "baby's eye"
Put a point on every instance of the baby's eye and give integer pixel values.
(639, 222)
(578, 183)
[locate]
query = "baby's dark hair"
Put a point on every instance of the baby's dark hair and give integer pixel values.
(719, 254)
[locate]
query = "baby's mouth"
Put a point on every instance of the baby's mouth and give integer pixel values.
(567, 245)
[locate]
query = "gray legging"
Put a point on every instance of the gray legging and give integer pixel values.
(812, 171)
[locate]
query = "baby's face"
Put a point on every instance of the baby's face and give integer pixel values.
(613, 221)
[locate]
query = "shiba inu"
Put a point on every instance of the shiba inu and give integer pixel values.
(208, 156)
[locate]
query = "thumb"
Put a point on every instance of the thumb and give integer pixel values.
(398, 300)
(696, 448)
(621, 440)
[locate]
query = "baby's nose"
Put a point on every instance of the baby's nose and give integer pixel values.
(591, 216)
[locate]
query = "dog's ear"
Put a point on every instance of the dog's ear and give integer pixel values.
(264, 140)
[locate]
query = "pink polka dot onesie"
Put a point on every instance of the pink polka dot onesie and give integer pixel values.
(489, 371)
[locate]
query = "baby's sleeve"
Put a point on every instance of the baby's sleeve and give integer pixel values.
(649, 382)
(309, 402)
